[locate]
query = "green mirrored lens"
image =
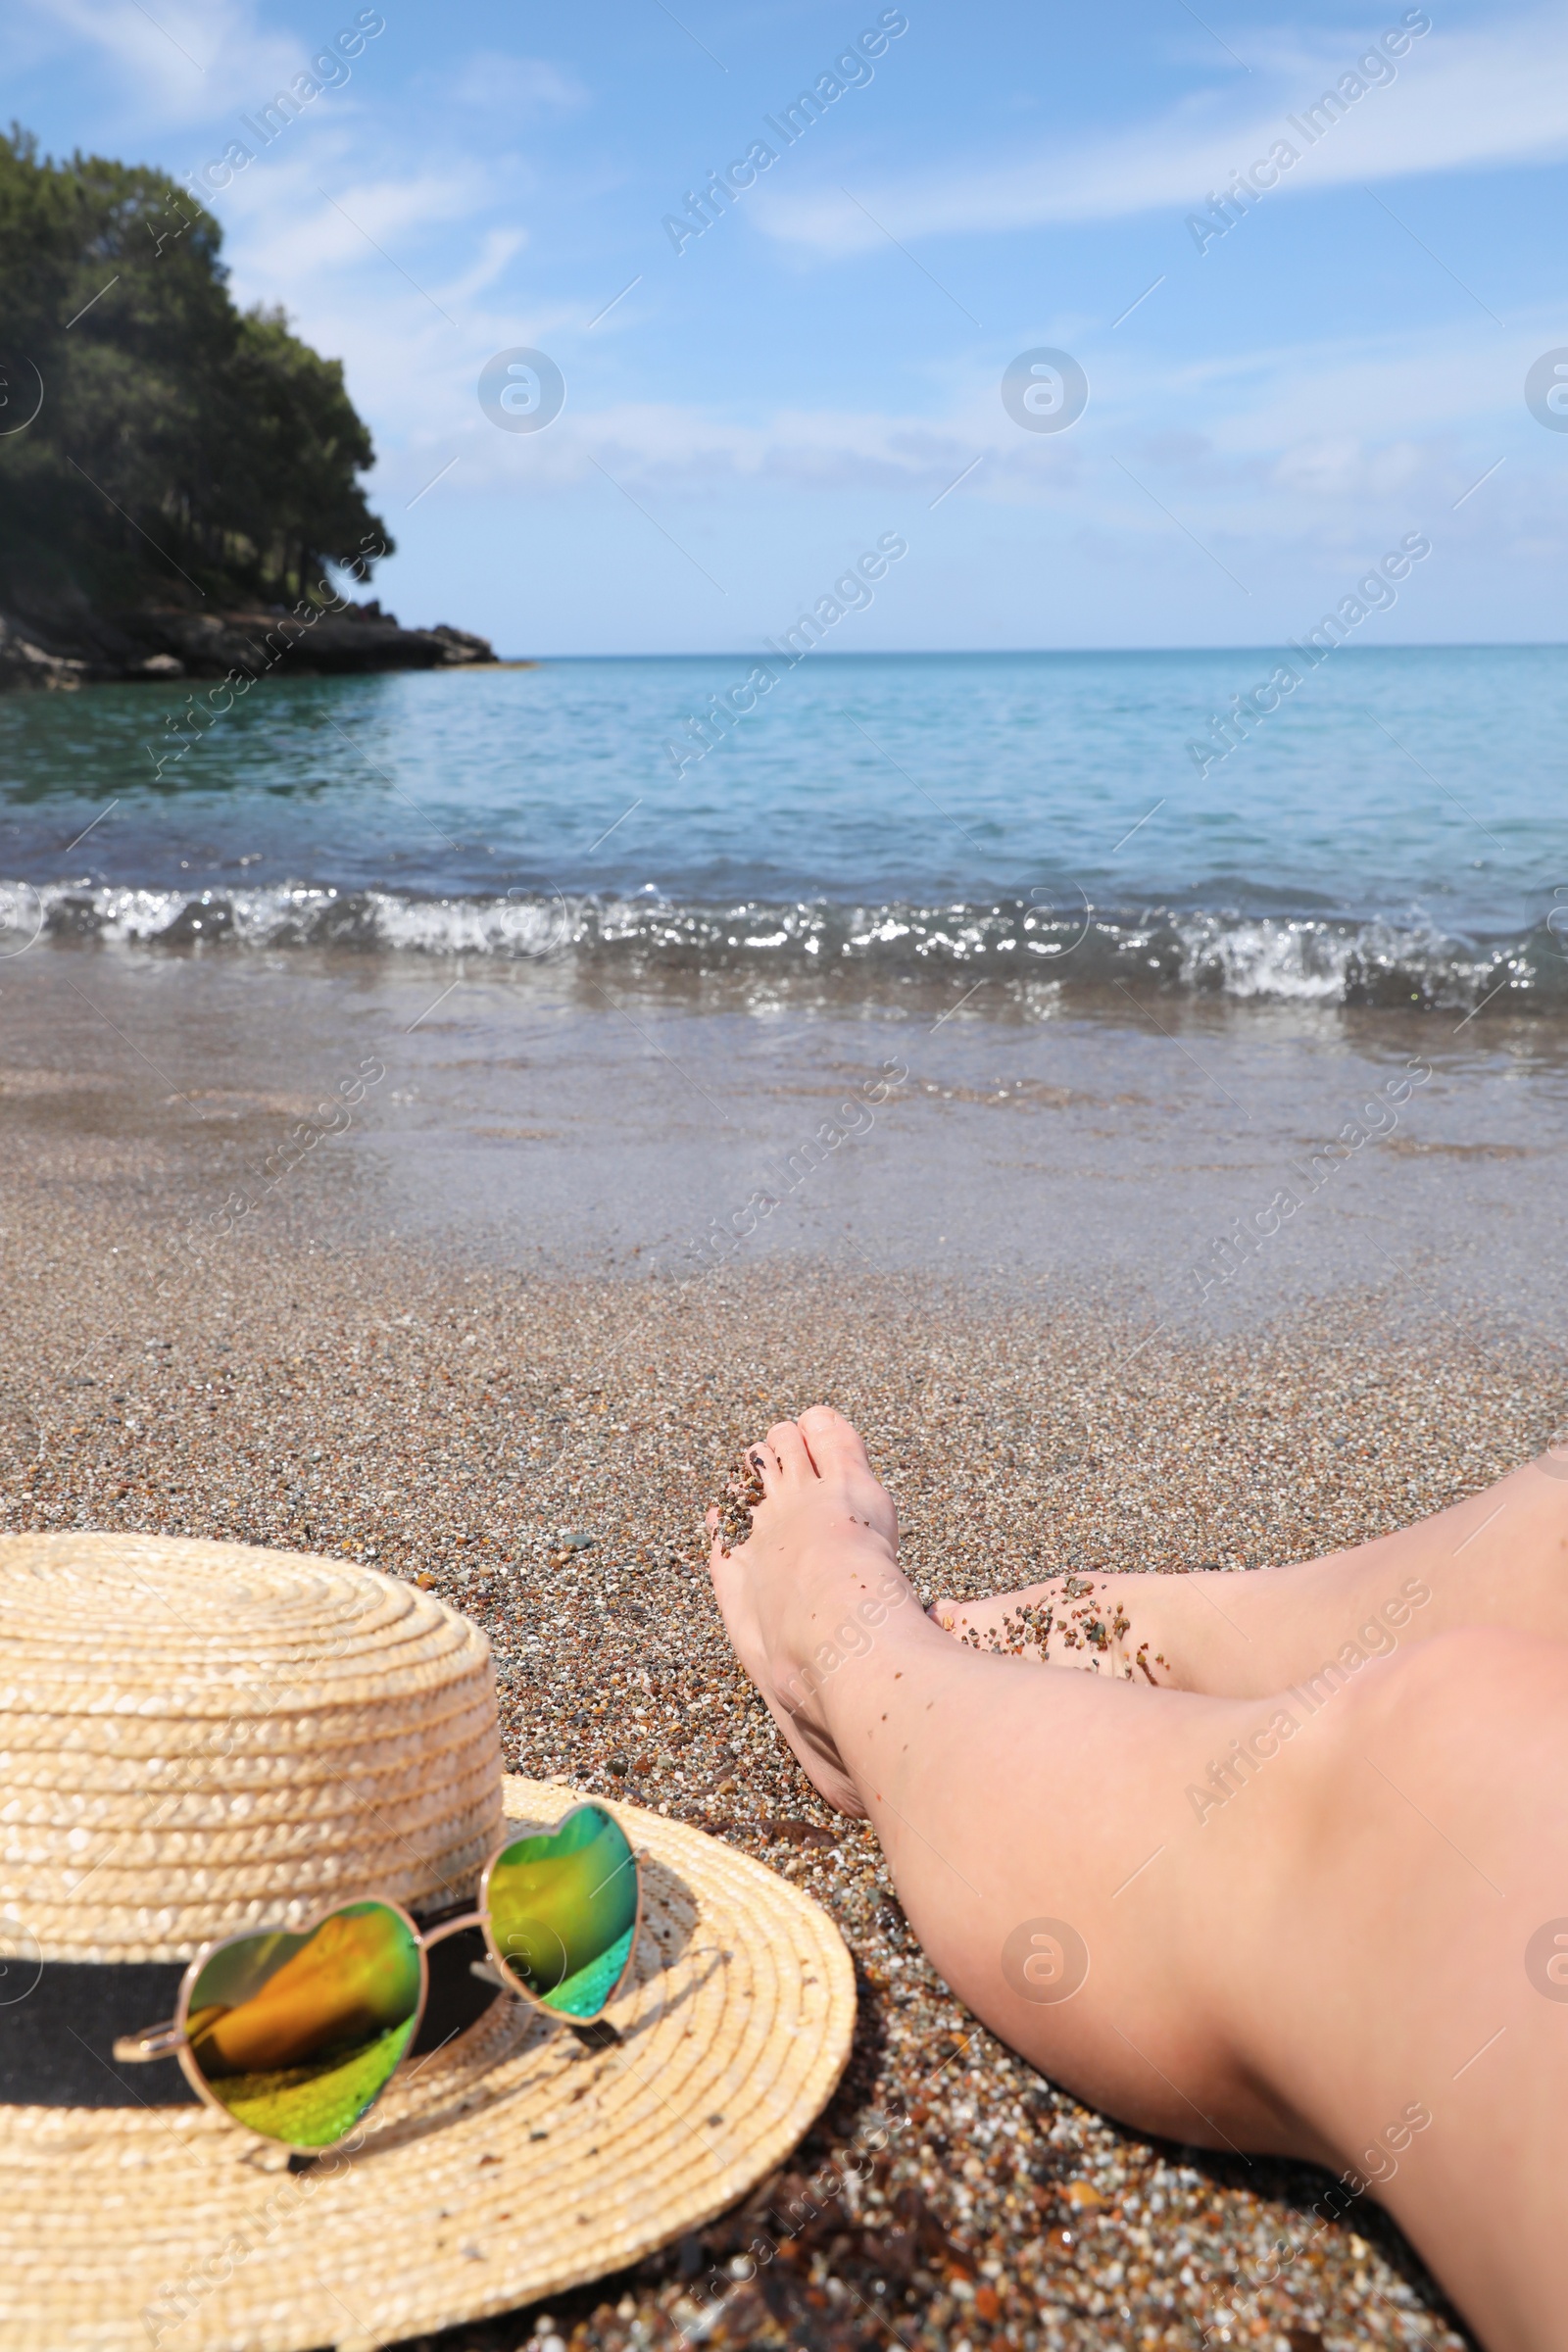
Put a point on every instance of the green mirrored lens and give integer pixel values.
(563, 1911)
(298, 2036)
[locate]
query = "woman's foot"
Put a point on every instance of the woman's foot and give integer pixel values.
(1077, 1620)
(1497, 1558)
(805, 1592)
(1200, 1629)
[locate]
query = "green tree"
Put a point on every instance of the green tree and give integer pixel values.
(180, 443)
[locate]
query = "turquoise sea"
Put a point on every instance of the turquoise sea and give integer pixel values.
(1396, 829)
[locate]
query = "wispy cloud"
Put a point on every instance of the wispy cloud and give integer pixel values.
(1461, 100)
(520, 86)
(289, 233)
(186, 61)
(1282, 447)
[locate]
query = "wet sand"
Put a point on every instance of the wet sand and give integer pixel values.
(305, 1379)
(551, 1118)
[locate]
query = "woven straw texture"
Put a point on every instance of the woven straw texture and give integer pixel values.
(196, 1739)
(511, 2165)
(202, 1738)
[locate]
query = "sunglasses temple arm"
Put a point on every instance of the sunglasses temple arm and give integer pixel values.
(153, 2041)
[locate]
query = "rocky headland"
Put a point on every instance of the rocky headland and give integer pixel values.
(70, 645)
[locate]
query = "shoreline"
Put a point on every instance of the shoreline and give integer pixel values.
(1190, 1171)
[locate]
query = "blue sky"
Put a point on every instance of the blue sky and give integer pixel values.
(1267, 418)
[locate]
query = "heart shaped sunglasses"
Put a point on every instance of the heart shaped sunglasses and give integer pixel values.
(296, 2033)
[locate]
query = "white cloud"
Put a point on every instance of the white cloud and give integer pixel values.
(499, 244)
(1330, 448)
(293, 223)
(186, 59)
(521, 85)
(1459, 100)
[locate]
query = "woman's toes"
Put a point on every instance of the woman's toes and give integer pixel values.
(968, 1623)
(758, 1467)
(835, 1444)
(840, 1456)
(785, 1457)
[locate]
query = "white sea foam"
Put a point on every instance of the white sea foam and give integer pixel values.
(1272, 958)
(301, 914)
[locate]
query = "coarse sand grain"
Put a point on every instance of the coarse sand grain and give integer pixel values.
(541, 1454)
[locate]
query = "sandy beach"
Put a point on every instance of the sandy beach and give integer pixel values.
(540, 1449)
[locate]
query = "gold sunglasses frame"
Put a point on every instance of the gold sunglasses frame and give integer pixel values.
(172, 2039)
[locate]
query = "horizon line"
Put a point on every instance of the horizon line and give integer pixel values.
(1014, 653)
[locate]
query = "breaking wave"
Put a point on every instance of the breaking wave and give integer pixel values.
(1074, 947)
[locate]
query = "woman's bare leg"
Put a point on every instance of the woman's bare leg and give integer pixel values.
(1278, 1924)
(1499, 1558)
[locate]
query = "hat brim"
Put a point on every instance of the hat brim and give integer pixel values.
(512, 2164)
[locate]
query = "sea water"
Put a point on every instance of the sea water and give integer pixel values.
(1393, 831)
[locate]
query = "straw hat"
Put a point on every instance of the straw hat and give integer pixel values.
(203, 1738)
